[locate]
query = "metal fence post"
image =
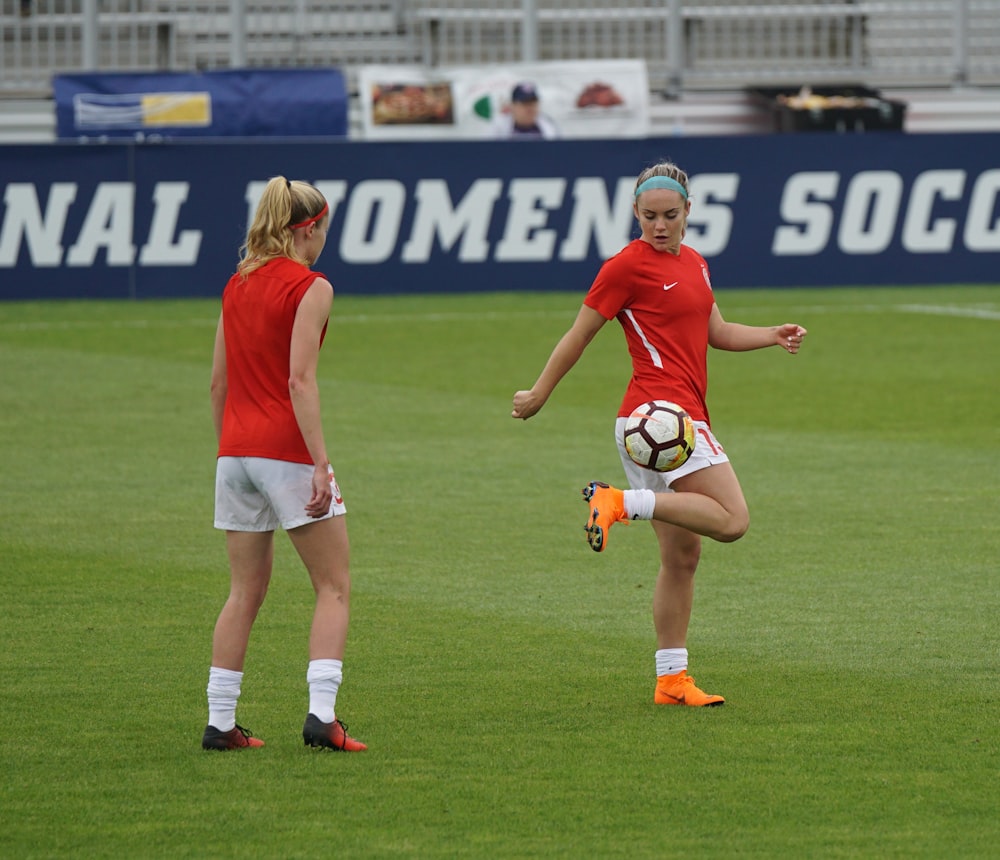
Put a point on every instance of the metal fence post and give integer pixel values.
(301, 30)
(238, 34)
(529, 31)
(960, 44)
(675, 49)
(856, 34)
(90, 29)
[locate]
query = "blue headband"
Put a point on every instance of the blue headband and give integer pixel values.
(661, 182)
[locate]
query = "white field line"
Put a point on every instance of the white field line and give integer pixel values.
(951, 311)
(731, 312)
(335, 319)
(77, 325)
(984, 312)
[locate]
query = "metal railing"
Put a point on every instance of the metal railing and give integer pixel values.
(687, 44)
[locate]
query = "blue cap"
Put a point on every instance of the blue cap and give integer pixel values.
(524, 92)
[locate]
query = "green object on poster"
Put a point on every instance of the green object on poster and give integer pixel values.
(483, 107)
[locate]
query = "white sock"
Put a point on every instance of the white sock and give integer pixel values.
(223, 693)
(670, 661)
(639, 504)
(324, 677)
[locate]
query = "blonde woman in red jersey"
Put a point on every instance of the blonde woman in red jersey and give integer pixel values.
(661, 294)
(273, 469)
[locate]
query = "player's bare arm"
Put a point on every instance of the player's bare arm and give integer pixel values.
(736, 337)
(566, 353)
(313, 312)
(219, 386)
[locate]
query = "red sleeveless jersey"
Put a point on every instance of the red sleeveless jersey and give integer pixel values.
(663, 303)
(257, 317)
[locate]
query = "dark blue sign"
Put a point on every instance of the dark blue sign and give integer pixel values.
(228, 103)
(164, 220)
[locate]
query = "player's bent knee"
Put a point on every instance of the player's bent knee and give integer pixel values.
(734, 529)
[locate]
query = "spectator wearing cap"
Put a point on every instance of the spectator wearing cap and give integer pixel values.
(524, 119)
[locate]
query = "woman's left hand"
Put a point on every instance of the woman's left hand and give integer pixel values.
(322, 493)
(789, 337)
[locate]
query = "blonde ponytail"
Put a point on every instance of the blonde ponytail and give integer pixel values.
(283, 204)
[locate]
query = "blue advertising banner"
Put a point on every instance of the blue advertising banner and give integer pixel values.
(166, 220)
(227, 103)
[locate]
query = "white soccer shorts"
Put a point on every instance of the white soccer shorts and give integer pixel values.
(254, 494)
(707, 452)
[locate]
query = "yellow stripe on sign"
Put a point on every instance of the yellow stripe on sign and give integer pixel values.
(164, 109)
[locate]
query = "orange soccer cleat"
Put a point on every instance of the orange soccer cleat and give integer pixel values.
(237, 738)
(607, 507)
(316, 733)
(680, 689)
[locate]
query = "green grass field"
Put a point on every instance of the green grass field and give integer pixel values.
(501, 672)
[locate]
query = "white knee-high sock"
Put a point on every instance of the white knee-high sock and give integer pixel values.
(639, 504)
(324, 677)
(670, 661)
(223, 694)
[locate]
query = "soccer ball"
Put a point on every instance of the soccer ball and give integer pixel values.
(659, 435)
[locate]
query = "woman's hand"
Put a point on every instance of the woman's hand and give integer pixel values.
(789, 337)
(526, 404)
(322, 492)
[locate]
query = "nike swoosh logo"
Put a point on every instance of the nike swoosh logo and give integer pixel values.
(670, 286)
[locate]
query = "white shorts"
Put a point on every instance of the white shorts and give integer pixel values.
(254, 494)
(707, 452)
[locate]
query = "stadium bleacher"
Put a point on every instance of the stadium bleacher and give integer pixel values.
(942, 57)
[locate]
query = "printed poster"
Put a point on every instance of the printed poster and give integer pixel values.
(592, 99)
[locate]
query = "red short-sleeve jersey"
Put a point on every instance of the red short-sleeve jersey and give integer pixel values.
(663, 302)
(257, 317)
